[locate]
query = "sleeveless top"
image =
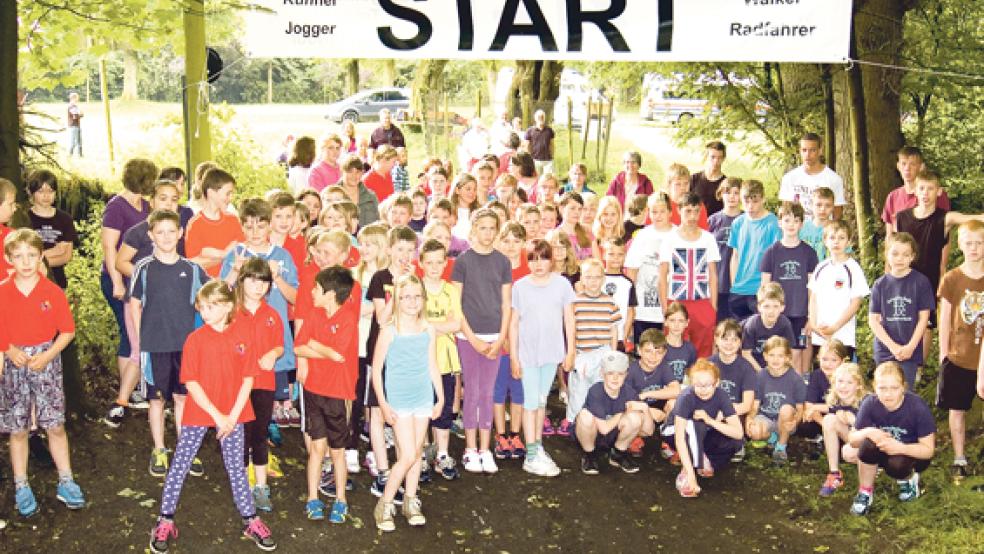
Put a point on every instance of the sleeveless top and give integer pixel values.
(407, 383)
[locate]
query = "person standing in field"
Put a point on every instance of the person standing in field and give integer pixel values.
(74, 124)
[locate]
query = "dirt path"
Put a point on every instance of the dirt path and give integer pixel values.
(740, 510)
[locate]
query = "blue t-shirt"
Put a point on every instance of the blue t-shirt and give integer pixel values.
(817, 387)
(642, 381)
(908, 423)
(276, 300)
(679, 358)
(899, 301)
(751, 238)
(688, 402)
(775, 392)
(754, 333)
(791, 268)
(812, 234)
(736, 378)
(602, 406)
(719, 224)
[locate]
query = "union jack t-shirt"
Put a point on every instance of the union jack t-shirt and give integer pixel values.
(690, 265)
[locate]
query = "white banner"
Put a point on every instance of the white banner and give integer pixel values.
(588, 30)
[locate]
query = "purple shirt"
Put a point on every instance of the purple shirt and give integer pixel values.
(736, 378)
(719, 224)
(791, 268)
(602, 406)
(908, 423)
(899, 301)
(688, 402)
(120, 215)
(775, 392)
(679, 358)
(642, 381)
(754, 333)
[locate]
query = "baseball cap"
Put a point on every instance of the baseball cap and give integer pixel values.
(615, 361)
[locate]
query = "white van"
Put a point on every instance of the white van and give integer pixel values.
(663, 101)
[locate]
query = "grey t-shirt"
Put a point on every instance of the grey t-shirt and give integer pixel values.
(481, 277)
(166, 292)
(776, 392)
(541, 319)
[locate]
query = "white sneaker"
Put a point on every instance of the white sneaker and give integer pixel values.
(541, 466)
(389, 437)
(488, 462)
(371, 464)
(352, 461)
(472, 461)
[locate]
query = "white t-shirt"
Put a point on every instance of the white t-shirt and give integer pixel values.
(798, 186)
(644, 255)
(689, 273)
(619, 287)
(462, 228)
(835, 285)
(297, 178)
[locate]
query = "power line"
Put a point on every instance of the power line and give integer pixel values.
(924, 70)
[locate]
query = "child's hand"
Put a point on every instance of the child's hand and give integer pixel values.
(904, 353)
(692, 482)
(238, 261)
(224, 426)
(39, 361)
(846, 417)
(516, 370)
(274, 268)
(494, 348)
(890, 446)
(569, 361)
(388, 414)
(17, 356)
(337, 358)
(302, 373)
(119, 291)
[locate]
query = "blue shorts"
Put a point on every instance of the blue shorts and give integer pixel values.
(506, 385)
(447, 414)
(165, 368)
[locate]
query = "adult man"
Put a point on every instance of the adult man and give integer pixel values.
(705, 183)
(539, 142)
(798, 185)
(386, 133)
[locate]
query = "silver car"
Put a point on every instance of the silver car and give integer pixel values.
(367, 104)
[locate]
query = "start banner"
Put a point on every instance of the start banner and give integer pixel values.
(587, 30)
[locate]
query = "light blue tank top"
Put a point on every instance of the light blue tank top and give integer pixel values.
(407, 382)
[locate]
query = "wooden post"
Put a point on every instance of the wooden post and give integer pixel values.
(570, 129)
(199, 135)
(478, 111)
(608, 135)
(447, 127)
(601, 111)
(587, 124)
(270, 82)
(104, 91)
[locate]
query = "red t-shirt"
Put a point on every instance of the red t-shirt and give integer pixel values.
(297, 248)
(675, 216)
(37, 317)
(267, 333)
(522, 270)
(5, 268)
(203, 233)
(341, 333)
(218, 362)
(353, 258)
(446, 276)
(381, 184)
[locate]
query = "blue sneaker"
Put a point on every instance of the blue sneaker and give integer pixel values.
(909, 488)
(273, 434)
(71, 495)
(315, 510)
(327, 484)
(26, 504)
(339, 512)
(862, 503)
(773, 440)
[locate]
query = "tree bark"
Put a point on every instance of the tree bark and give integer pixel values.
(427, 97)
(389, 72)
(131, 75)
(352, 76)
(491, 77)
(535, 86)
(9, 113)
(863, 209)
(197, 131)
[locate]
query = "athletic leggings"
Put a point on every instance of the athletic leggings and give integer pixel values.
(189, 441)
(703, 440)
(478, 375)
(897, 467)
(257, 430)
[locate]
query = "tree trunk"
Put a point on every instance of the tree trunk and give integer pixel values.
(535, 86)
(9, 114)
(491, 77)
(829, 117)
(427, 97)
(104, 94)
(352, 76)
(131, 68)
(197, 131)
(270, 82)
(861, 184)
(389, 72)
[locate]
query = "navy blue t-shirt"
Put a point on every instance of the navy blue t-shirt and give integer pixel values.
(718, 404)
(754, 333)
(602, 406)
(679, 358)
(908, 423)
(167, 296)
(642, 381)
(775, 392)
(791, 268)
(736, 378)
(899, 301)
(719, 224)
(817, 387)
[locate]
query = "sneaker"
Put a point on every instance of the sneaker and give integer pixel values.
(446, 467)
(260, 534)
(339, 512)
(682, 487)
(273, 467)
(327, 484)
(958, 471)
(379, 484)
(458, 427)
(773, 440)
(70, 495)
(665, 451)
(352, 461)
(315, 509)
(909, 488)
(589, 464)
(780, 457)
(158, 462)
(548, 428)
(137, 401)
(383, 514)
(471, 461)
(389, 437)
(40, 455)
(162, 533)
(412, 511)
(115, 416)
(488, 462)
(26, 504)
(518, 448)
(565, 428)
(425, 472)
(833, 482)
(503, 447)
(261, 498)
(562, 395)
(293, 417)
(197, 469)
(739, 456)
(430, 454)
(635, 449)
(706, 470)
(541, 466)
(862, 503)
(280, 417)
(370, 464)
(273, 435)
(622, 460)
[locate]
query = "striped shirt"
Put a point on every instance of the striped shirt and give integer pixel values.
(594, 320)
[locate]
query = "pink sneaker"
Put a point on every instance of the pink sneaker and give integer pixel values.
(564, 429)
(548, 428)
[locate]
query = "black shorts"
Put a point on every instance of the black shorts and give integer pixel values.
(326, 418)
(166, 369)
(798, 324)
(606, 441)
(447, 412)
(371, 400)
(956, 388)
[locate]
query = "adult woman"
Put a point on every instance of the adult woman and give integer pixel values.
(357, 192)
(56, 227)
(629, 181)
(299, 164)
(123, 211)
(326, 171)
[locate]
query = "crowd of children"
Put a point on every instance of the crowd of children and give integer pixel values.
(688, 317)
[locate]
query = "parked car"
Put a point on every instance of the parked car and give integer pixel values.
(367, 104)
